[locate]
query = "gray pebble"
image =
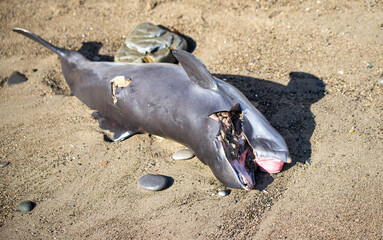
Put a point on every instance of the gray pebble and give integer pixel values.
(26, 206)
(3, 164)
(96, 58)
(183, 154)
(369, 65)
(153, 182)
(223, 193)
(16, 78)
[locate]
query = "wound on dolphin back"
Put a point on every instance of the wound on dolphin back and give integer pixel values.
(118, 82)
(236, 146)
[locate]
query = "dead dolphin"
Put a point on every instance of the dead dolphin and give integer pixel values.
(186, 104)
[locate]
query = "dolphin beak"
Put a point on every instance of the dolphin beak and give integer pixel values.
(247, 178)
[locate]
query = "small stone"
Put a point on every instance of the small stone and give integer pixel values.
(380, 83)
(3, 164)
(153, 182)
(223, 193)
(26, 206)
(16, 78)
(183, 154)
(96, 58)
(308, 162)
(369, 65)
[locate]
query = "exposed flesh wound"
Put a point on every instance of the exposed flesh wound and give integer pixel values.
(234, 141)
(118, 82)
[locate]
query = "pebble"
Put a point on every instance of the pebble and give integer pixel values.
(308, 162)
(380, 83)
(16, 78)
(369, 65)
(223, 193)
(26, 206)
(153, 182)
(3, 164)
(183, 154)
(150, 43)
(96, 58)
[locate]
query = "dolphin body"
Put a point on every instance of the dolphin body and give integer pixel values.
(184, 103)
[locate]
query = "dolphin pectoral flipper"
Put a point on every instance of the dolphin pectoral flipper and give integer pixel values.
(119, 133)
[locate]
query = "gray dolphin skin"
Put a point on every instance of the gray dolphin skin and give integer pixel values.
(184, 103)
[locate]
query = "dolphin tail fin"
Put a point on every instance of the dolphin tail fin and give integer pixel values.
(59, 51)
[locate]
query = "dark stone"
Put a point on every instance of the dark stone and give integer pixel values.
(16, 78)
(3, 164)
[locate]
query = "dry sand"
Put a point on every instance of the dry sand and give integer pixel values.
(311, 67)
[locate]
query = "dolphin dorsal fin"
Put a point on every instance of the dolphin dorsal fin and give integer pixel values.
(195, 69)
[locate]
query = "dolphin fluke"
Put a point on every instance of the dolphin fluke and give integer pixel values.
(59, 51)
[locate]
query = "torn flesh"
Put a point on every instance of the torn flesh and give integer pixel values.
(118, 82)
(237, 148)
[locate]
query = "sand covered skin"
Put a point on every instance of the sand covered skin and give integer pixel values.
(312, 68)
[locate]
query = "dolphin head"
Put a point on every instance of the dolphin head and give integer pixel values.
(269, 147)
(237, 139)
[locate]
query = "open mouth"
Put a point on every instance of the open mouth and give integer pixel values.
(237, 148)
